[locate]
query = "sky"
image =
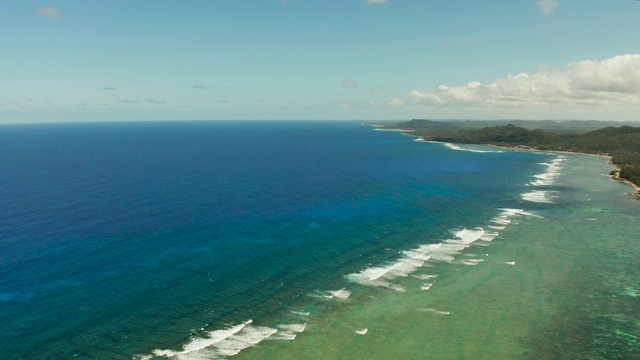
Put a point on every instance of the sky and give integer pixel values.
(319, 59)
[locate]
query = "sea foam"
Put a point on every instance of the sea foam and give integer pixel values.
(225, 342)
(412, 260)
(459, 148)
(445, 251)
(288, 331)
(547, 178)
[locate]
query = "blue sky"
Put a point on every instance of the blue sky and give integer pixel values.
(312, 59)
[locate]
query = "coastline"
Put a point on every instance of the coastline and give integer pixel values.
(529, 149)
(613, 177)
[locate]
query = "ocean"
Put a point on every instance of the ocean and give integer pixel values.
(251, 239)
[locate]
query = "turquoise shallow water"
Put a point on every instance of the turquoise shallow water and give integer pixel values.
(561, 283)
(205, 239)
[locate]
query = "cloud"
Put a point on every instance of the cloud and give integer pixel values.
(108, 88)
(129, 101)
(199, 86)
(349, 84)
(397, 102)
(49, 12)
(589, 82)
(376, 2)
(153, 101)
(547, 7)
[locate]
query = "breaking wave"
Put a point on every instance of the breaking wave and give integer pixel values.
(544, 179)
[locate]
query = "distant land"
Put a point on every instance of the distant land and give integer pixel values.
(619, 140)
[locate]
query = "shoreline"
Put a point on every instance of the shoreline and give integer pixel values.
(616, 177)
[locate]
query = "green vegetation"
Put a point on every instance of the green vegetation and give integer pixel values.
(631, 173)
(621, 143)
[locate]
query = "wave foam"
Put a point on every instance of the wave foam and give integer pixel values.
(538, 196)
(341, 294)
(459, 148)
(225, 342)
(301, 313)
(553, 172)
(415, 258)
(288, 331)
(435, 311)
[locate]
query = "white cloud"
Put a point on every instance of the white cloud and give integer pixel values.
(349, 84)
(50, 12)
(547, 7)
(397, 102)
(376, 2)
(589, 82)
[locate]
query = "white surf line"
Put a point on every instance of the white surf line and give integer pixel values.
(426, 287)
(446, 251)
(435, 311)
(538, 196)
(288, 331)
(425, 276)
(394, 130)
(340, 294)
(546, 178)
(300, 313)
(225, 342)
(416, 258)
(459, 148)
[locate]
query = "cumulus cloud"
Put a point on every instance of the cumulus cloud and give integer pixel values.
(376, 2)
(108, 88)
(547, 7)
(349, 84)
(588, 82)
(50, 12)
(397, 102)
(199, 87)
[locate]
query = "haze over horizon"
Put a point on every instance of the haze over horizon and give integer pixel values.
(296, 59)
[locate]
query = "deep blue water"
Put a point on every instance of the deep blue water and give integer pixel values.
(119, 238)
